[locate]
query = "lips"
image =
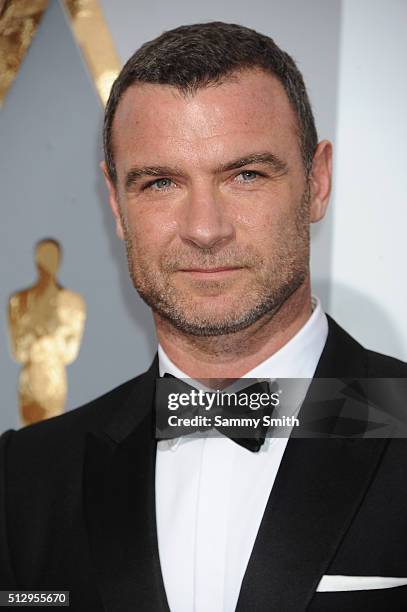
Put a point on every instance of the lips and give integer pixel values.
(209, 270)
(210, 274)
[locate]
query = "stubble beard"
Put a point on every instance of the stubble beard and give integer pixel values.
(271, 283)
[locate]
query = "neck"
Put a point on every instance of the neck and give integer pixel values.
(46, 282)
(233, 355)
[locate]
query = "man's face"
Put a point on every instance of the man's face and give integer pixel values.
(212, 201)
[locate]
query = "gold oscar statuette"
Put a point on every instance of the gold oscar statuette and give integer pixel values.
(46, 324)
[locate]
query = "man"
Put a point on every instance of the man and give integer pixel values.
(214, 174)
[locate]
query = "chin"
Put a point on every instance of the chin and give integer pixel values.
(206, 322)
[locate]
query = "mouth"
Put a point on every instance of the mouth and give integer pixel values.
(210, 273)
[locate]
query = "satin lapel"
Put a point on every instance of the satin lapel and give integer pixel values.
(119, 494)
(318, 489)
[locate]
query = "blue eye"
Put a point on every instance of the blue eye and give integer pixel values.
(248, 176)
(161, 184)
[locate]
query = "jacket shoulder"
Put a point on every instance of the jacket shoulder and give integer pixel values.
(345, 356)
(385, 366)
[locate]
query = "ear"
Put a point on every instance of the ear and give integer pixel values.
(113, 200)
(320, 180)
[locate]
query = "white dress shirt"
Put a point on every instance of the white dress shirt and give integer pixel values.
(211, 493)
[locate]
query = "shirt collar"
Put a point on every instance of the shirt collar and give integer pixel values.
(296, 359)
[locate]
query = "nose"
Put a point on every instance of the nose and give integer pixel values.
(204, 219)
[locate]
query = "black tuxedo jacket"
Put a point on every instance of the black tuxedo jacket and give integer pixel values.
(77, 507)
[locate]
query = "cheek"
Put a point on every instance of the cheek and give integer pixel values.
(270, 222)
(149, 232)
(266, 211)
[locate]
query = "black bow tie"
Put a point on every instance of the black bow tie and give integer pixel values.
(200, 418)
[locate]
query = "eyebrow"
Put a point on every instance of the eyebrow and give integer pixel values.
(137, 173)
(270, 159)
(277, 164)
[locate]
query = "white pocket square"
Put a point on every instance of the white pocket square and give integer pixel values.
(358, 583)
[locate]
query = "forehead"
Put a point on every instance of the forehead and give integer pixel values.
(45, 248)
(153, 120)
